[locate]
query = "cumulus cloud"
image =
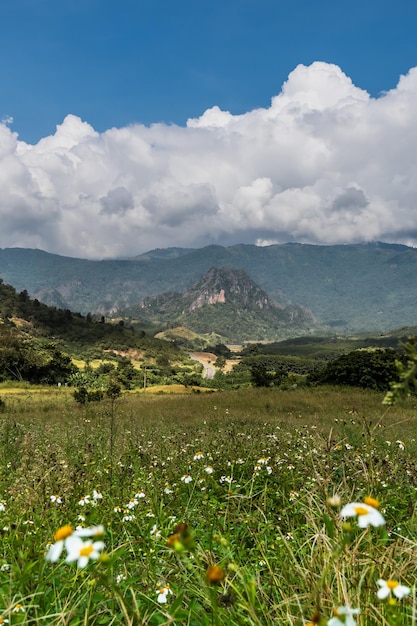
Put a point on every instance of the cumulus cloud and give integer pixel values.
(324, 163)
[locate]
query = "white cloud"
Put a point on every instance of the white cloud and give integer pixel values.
(324, 163)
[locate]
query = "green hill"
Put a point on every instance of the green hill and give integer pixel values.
(229, 303)
(38, 342)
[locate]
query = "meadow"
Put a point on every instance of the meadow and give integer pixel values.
(208, 508)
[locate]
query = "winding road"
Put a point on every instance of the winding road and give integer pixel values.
(205, 359)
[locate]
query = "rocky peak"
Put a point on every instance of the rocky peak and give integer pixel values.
(222, 285)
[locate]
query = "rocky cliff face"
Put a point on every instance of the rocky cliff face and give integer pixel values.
(225, 285)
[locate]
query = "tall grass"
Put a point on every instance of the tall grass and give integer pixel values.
(235, 525)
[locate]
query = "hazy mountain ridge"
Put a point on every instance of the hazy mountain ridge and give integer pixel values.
(347, 287)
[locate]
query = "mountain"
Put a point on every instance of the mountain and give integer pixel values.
(348, 288)
(229, 303)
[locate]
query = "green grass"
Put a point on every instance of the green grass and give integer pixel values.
(261, 516)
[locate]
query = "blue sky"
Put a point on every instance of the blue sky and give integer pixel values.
(135, 124)
(116, 62)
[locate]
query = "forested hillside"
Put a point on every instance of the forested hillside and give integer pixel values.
(39, 343)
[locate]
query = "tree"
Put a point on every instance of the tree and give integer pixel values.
(369, 369)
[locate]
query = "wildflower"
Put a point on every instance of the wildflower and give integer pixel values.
(4, 620)
(168, 489)
(155, 532)
(140, 494)
(208, 469)
(120, 577)
(5, 567)
(97, 495)
(93, 531)
(366, 512)
(334, 501)
(128, 518)
(2, 505)
(401, 444)
(343, 616)
(82, 551)
(198, 455)
(215, 574)
(186, 478)
(163, 593)
(56, 499)
(84, 500)
(132, 503)
(117, 509)
(60, 537)
(64, 533)
(19, 608)
(388, 587)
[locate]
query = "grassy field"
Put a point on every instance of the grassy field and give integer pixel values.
(207, 509)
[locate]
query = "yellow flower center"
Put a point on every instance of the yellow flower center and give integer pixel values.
(63, 532)
(391, 584)
(361, 510)
(87, 550)
(371, 502)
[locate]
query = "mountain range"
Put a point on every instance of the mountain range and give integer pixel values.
(345, 288)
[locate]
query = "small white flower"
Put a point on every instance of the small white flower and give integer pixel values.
(97, 495)
(155, 532)
(120, 577)
(388, 587)
(82, 551)
(208, 469)
(2, 505)
(132, 503)
(140, 494)
(198, 455)
(92, 531)
(84, 500)
(163, 594)
(345, 614)
(401, 444)
(56, 499)
(367, 514)
(186, 478)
